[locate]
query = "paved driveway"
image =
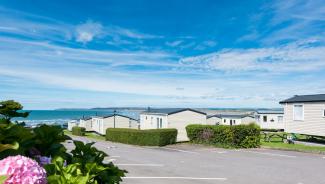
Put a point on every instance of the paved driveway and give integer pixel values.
(186, 163)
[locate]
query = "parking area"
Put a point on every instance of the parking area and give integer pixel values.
(185, 163)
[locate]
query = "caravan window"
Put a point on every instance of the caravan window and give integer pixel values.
(264, 118)
(280, 119)
(298, 112)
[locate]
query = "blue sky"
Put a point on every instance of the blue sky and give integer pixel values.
(77, 54)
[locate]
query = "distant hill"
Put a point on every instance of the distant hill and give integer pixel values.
(101, 109)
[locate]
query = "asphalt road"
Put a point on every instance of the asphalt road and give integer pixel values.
(191, 164)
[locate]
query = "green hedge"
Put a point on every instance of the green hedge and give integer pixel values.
(80, 131)
(239, 136)
(152, 137)
(271, 130)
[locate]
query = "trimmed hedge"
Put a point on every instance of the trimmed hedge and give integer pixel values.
(80, 131)
(271, 130)
(238, 136)
(152, 137)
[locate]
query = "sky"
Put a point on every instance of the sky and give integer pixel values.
(207, 53)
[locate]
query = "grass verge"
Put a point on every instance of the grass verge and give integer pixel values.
(293, 147)
(276, 143)
(89, 135)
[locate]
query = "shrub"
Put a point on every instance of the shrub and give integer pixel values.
(15, 140)
(80, 131)
(48, 140)
(271, 130)
(152, 137)
(239, 136)
(44, 145)
(87, 166)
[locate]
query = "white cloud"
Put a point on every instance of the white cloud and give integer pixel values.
(117, 41)
(295, 57)
(298, 19)
(205, 44)
(209, 43)
(42, 64)
(124, 32)
(286, 21)
(247, 77)
(174, 43)
(86, 32)
(44, 28)
(33, 26)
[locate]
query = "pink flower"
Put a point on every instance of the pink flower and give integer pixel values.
(22, 170)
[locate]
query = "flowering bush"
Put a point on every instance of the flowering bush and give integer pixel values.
(22, 170)
(44, 144)
(43, 160)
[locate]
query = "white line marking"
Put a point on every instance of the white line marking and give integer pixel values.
(111, 160)
(182, 178)
(324, 157)
(144, 165)
(220, 152)
(271, 154)
(184, 151)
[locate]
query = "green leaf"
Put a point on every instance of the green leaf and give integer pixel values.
(2, 179)
(14, 146)
(54, 179)
(50, 169)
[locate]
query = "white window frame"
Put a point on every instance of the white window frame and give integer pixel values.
(303, 112)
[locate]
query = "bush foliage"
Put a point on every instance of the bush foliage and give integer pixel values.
(10, 109)
(239, 136)
(80, 131)
(152, 137)
(85, 164)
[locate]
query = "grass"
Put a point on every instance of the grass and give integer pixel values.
(276, 143)
(89, 135)
(293, 147)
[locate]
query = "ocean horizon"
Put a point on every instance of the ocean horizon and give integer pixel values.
(62, 116)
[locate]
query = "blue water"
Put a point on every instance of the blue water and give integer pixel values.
(63, 116)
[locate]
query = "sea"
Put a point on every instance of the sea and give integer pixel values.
(61, 117)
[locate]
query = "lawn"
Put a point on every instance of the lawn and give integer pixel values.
(276, 143)
(89, 135)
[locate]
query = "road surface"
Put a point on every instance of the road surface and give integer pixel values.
(192, 164)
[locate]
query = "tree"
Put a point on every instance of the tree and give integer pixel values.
(10, 109)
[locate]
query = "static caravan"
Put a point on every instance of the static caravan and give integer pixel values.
(71, 124)
(214, 120)
(101, 123)
(230, 119)
(270, 119)
(305, 114)
(86, 123)
(172, 118)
